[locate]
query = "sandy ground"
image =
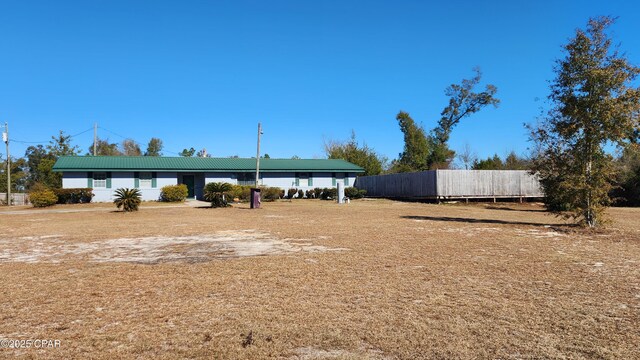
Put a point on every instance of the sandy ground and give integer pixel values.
(315, 280)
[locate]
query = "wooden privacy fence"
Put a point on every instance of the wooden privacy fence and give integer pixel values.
(452, 184)
(16, 199)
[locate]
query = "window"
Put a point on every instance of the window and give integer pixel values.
(246, 178)
(303, 179)
(145, 179)
(99, 180)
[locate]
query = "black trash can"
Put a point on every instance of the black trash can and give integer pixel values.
(255, 198)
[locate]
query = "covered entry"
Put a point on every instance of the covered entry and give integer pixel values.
(195, 184)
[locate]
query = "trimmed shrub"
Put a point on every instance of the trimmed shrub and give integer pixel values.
(128, 199)
(329, 193)
(310, 194)
(317, 192)
(291, 193)
(217, 193)
(74, 196)
(271, 193)
(300, 194)
(174, 193)
(241, 192)
(354, 193)
(43, 198)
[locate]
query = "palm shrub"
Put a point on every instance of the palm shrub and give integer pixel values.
(215, 193)
(128, 199)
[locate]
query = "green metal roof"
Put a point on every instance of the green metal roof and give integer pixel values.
(184, 164)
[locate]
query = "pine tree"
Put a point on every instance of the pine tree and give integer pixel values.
(594, 104)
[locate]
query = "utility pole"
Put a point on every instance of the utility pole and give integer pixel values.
(258, 156)
(5, 137)
(95, 139)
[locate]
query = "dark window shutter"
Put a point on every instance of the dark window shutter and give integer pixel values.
(154, 179)
(90, 180)
(136, 179)
(109, 180)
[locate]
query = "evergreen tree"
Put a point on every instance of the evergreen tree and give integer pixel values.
(61, 146)
(490, 163)
(105, 148)
(350, 151)
(154, 148)
(416, 146)
(188, 153)
(594, 105)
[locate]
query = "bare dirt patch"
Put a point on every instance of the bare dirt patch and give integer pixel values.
(417, 281)
(154, 249)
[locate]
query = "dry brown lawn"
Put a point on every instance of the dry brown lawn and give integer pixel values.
(312, 280)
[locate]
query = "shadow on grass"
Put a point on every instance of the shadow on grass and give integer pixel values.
(481, 221)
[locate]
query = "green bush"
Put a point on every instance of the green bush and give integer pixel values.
(128, 199)
(217, 193)
(300, 194)
(354, 193)
(317, 192)
(74, 195)
(43, 198)
(329, 193)
(271, 193)
(291, 193)
(241, 192)
(174, 193)
(310, 194)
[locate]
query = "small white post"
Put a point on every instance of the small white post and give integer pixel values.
(340, 193)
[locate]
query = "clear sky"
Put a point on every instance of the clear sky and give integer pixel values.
(202, 74)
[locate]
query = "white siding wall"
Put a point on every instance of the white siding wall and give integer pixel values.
(162, 179)
(126, 179)
(281, 180)
(119, 180)
(220, 177)
(71, 180)
(286, 180)
(322, 180)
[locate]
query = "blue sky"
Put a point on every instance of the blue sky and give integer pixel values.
(202, 74)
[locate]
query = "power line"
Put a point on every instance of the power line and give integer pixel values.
(114, 133)
(84, 132)
(46, 141)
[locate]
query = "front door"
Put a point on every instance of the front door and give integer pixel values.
(190, 181)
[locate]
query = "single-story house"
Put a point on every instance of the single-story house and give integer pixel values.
(105, 174)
